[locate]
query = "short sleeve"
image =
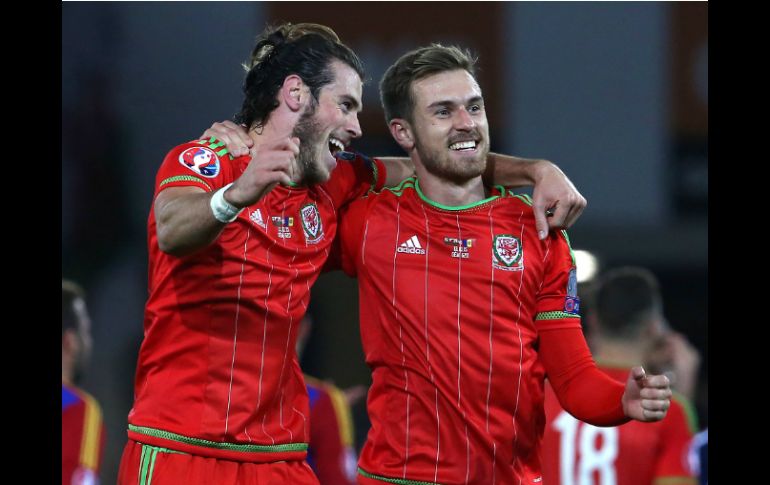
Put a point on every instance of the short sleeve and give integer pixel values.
(558, 305)
(199, 163)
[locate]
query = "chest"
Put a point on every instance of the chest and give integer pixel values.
(472, 249)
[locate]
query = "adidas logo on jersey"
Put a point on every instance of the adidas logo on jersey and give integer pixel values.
(411, 246)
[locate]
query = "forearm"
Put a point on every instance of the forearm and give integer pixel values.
(511, 171)
(185, 222)
(583, 390)
(397, 169)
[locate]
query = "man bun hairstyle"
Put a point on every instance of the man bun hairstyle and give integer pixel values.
(304, 49)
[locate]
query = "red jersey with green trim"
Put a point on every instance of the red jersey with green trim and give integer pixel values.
(451, 302)
(217, 373)
(82, 437)
(636, 453)
(331, 454)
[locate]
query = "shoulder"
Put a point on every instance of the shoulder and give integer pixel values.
(406, 186)
(203, 157)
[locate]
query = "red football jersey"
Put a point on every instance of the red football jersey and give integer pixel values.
(451, 301)
(217, 373)
(576, 453)
(82, 437)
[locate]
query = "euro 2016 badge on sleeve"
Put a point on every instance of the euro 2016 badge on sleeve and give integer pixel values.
(507, 253)
(311, 223)
(572, 302)
(200, 160)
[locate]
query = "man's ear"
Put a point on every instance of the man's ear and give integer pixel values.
(294, 92)
(402, 133)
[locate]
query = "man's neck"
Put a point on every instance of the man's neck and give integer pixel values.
(450, 193)
(276, 129)
(66, 376)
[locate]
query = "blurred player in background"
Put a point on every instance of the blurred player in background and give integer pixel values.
(331, 451)
(626, 317)
(82, 428)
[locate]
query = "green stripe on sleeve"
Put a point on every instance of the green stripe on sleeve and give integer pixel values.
(555, 316)
(184, 178)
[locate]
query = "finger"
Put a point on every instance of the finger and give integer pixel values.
(230, 125)
(652, 393)
(655, 404)
(235, 140)
(574, 213)
(282, 162)
(274, 178)
(283, 178)
(294, 144)
(209, 136)
(239, 132)
(659, 381)
(541, 223)
(651, 416)
(559, 216)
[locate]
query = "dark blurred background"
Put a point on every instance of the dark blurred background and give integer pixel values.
(615, 93)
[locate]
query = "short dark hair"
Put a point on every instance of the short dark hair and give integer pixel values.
(70, 291)
(625, 299)
(306, 50)
(396, 85)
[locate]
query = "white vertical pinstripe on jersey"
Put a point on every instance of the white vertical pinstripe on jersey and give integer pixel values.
(363, 244)
(304, 422)
(459, 353)
(494, 456)
(545, 256)
(401, 336)
(491, 325)
(427, 342)
(264, 330)
(491, 312)
(286, 349)
(521, 344)
(235, 324)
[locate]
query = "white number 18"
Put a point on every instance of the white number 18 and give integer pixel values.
(589, 457)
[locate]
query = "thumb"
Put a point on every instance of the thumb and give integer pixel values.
(295, 140)
(638, 373)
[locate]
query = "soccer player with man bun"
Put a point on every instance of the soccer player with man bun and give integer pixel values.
(236, 238)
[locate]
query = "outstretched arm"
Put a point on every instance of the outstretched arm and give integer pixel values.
(556, 201)
(592, 396)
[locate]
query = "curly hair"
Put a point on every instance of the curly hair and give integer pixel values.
(304, 49)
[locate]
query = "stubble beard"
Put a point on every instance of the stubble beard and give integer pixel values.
(308, 130)
(440, 163)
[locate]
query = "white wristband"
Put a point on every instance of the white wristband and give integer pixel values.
(223, 210)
